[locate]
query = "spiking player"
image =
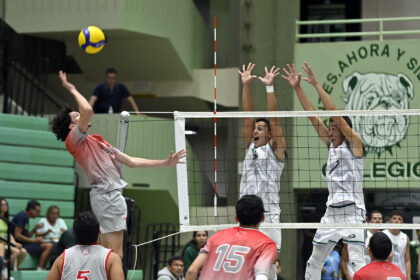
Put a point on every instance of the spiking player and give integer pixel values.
(101, 161)
(240, 252)
(265, 151)
(344, 176)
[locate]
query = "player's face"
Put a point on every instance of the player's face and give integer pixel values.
(261, 134)
(334, 132)
(396, 219)
(176, 267)
(111, 79)
(200, 238)
(376, 218)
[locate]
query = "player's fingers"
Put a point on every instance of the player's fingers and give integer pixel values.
(284, 77)
(285, 71)
(249, 65)
(293, 67)
(252, 67)
(266, 70)
(272, 68)
(290, 68)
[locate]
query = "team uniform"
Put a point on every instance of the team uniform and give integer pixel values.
(85, 262)
(346, 202)
(379, 271)
(399, 246)
(261, 176)
(97, 158)
(238, 253)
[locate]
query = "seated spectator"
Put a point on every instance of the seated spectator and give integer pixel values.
(17, 253)
(174, 269)
(52, 226)
(67, 240)
(191, 250)
(379, 249)
(35, 246)
(278, 270)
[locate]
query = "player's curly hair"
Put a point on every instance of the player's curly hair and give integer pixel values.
(249, 210)
(86, 228)
(61, 122)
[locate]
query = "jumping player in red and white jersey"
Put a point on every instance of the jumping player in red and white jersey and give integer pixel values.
(380, 246)
(87, 260)
(100, 161)
(237, 253)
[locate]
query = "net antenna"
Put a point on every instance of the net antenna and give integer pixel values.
(215, 121)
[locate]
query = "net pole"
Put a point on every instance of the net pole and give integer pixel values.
(215, 121)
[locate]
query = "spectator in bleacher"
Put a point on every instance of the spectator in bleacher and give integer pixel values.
(35, 246)
(174, 269)
(17, 253)
(67, 240)
(52, 226)
(191, 250)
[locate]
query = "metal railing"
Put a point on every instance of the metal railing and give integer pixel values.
(380, 32)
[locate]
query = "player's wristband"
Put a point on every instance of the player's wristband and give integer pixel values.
(269, 89)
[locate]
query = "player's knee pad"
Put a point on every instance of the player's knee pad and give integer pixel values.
(356, 257)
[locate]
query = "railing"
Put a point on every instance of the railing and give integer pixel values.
(380, 33)
(24, 84)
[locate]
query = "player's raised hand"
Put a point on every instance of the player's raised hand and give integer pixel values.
(246, 75)
(311, 76)
(66, 84)
(268, 80)
(291, 76)
(174, 158)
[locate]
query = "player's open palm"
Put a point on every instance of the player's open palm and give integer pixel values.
(246, 75)
(174, 158)
(63, 77)
(311, 76)
(291, 76)
(268, 79)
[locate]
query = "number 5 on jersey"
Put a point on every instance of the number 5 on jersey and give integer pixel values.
(230, 258)
(83, 274)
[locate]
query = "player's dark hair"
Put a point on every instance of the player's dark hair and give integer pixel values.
(266, 121)
(249, 210)
(6, 214)
(61, 122)
(370, 214)
(86, 228)
(111, 70)
(175, 258)
(380, 245)
(397, 213)
(347, 119)
(32, 204)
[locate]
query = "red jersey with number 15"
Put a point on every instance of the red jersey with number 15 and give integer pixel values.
(238, 253)
(379, 271)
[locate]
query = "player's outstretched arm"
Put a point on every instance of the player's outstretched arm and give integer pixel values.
(247, 102)
(55, 271)
(85, 110)
(196, 266)
(351, 136)
(136, 162)
(277, 141)
(114, 267)
(294, 81)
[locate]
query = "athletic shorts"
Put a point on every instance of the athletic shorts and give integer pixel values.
(33, 248)
(275, 233)
(110, 209)
(343, 214)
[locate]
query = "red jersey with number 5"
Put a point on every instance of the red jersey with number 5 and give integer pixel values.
(379, 271)
(238, 253)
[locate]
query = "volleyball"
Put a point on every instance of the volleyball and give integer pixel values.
(91, 39)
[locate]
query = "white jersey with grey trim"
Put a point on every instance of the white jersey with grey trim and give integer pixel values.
(399, 246)
(344, 177)
(261, 176)
(87, 261)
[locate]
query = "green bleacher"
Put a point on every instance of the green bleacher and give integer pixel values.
(34, 165)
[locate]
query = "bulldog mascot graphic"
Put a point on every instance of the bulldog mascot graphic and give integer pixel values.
(378, 91)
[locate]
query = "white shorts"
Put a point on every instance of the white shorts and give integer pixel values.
(111, 210)
(275, 233)
(343, 214)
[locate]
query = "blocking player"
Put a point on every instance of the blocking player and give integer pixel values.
(87, 259)
(400, 244)
(379, 248)
(344, 176)
(237, 253)
(101, 161)
(265, 150)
